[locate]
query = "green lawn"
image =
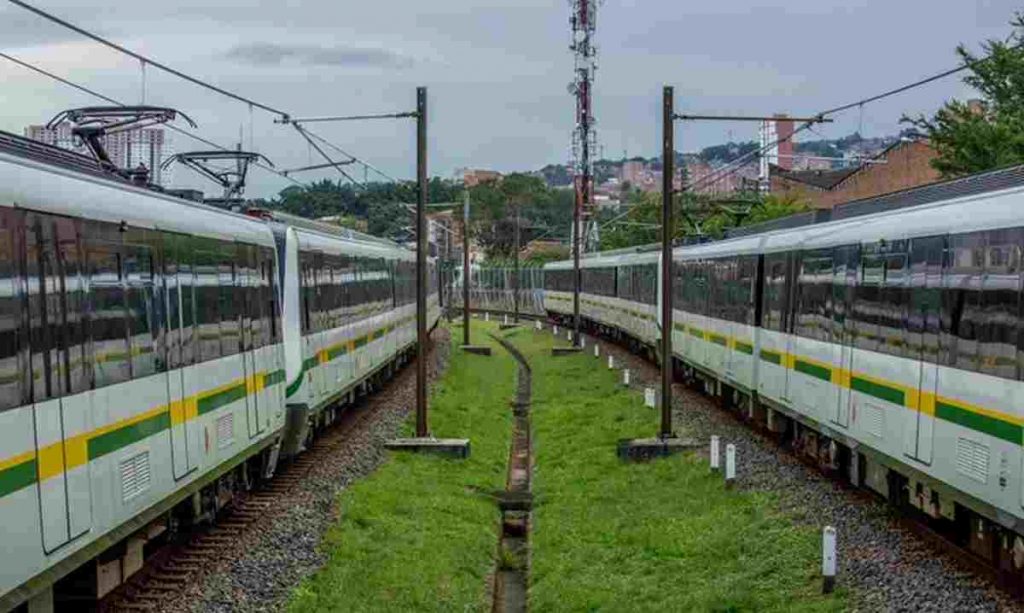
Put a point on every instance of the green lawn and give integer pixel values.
(660, 536)
(421, 532)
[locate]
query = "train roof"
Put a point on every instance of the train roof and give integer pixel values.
(41, 179)
(604, 259)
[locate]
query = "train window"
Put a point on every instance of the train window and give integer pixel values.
(814, 295)
(207, 297)
(867, 306)
(107, 308)
(774, 299)
(925, 300)
(138, 273)
(77, 375)
(187, 300)
(11, 373)
(230, 306)
(1000, 304)
(965, 267)
(599, 281)
(267, 284)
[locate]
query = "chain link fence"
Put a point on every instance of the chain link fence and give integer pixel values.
(490, 289)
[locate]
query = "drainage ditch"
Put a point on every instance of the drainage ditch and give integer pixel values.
(515, 502)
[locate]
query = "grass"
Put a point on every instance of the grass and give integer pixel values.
(420, 533)
(658, 536)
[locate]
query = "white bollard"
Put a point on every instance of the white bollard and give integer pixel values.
(504, 319)
(730, 465)
(568, 335)
(828, 559)
(554, 330)
(537, 325)
(583, 342)
(597, 350)
(487, 316)
(650, 397)
(611, 361)
(715, 453)
(625, 377)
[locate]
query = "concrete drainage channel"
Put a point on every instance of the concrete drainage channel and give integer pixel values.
(512, 572)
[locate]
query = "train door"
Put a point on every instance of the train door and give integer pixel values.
(247, 286)
(923, 339)
(61, 414)
(789, 323)
(178, 286)
(844, 280)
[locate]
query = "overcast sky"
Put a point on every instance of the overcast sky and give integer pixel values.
(496, 70)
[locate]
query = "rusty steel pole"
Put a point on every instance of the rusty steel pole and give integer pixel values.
(421, 263)
(465, 267)
(667, 175)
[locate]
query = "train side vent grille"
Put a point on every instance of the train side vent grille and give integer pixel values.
(873, 418)
(972, 459)
(225, 430)
(135, 476)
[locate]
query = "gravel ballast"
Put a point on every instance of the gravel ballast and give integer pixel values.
(886, 567)
(281, 549)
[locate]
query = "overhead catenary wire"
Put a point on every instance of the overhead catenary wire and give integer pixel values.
(100, 96)
(284, 116)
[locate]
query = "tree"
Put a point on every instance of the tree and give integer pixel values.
(971, 137)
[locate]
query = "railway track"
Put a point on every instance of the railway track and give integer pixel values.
(177, 565)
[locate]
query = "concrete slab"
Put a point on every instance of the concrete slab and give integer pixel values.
(641, 449)
(452, 447)
(507, 326)
(557, 351)
(476, 349)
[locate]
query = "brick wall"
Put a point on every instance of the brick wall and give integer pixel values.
(908, 164)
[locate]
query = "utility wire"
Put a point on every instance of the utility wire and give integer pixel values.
(145, 59)
(96, 94)
(364, 163)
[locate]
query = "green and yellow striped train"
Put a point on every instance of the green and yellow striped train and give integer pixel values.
(158, 354)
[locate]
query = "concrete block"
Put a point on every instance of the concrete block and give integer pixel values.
(641, 449)
(108, 576)
(476, 349)
(132, 557)
(557, 351)
(452, 447)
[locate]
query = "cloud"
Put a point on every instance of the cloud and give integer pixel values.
(274, 54)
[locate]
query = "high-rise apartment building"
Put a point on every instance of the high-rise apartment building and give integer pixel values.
(128, 149)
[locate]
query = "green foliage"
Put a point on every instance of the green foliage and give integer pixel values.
(970, 139)
(542, 211)
(694, 215)
(663, 535)
(420, 533)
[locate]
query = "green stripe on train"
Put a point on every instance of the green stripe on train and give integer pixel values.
(221, 398)
(771, 356)
(122, 437)
(976, 421)
(878, 390)
(819, 372)
(746, 348)
(17, 477)
(273, 378)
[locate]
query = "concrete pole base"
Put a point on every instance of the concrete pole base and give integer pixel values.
(642, 449)
(557, 351)
(507, 326)
(476, 349)
(451, 447)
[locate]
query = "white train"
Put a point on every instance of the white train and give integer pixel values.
(157, 354)
(890, 345)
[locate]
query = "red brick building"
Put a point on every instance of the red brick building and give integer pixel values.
(904, 165)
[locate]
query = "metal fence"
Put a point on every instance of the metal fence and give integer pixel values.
(491, 289)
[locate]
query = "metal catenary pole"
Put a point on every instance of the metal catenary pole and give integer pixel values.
(515, 279)
(421, 263)
(465, 267)
(667, 189)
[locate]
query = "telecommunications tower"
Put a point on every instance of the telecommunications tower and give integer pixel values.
(584, 139)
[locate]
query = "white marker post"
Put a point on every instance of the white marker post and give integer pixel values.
(730, 465)
(715, 454)
(625, 377)
(487, 316)
(537, 325)
(568, 335)
(650, 398)
(504, 319)
(597, 350)
(828, 560)
(611, 362)
(554, 330)
(583, 342)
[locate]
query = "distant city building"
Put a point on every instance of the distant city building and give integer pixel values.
(128, 149)
(472, 177)
(903, 165)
